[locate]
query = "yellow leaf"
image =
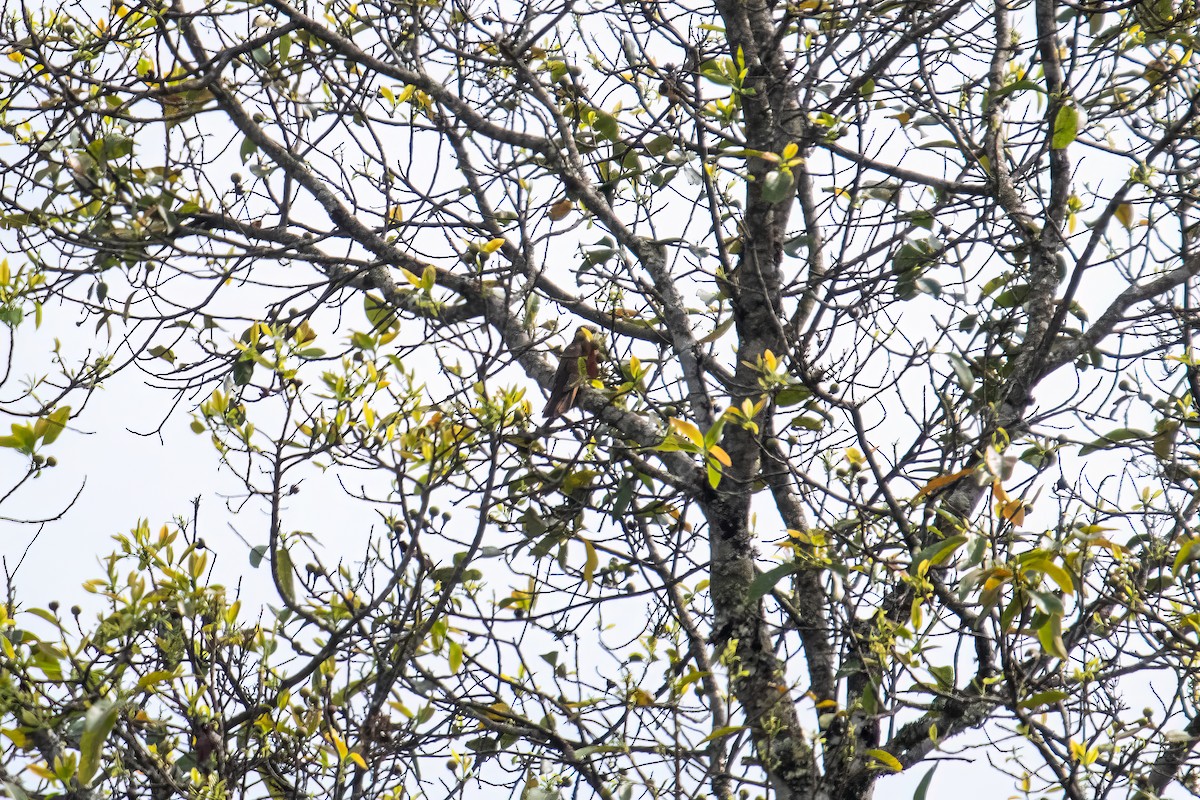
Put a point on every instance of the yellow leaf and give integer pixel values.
(718, 452)
(339, 745)
(887, 759)
(688, 430)
(500, 712)
(999, 576)
(1012, 510)
(492, 246)
(942, 481)
(1124, 215)
(641, 697)
(357, 759)
(41, 771)
(592, 561)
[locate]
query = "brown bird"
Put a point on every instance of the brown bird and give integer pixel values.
(580, 364)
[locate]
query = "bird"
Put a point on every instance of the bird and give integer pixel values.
(579, 364)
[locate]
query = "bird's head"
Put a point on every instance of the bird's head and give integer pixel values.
(586, 333)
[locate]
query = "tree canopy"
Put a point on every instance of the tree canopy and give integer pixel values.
(872, 429)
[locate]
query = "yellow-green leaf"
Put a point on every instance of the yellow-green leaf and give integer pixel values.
(1066, 127)
(57, 421)
(725, 730)
(1050, 637)
(97, 724)
(158, 676)
(1183, 556)
(285, 580)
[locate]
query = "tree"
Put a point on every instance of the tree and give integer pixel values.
(884, 442)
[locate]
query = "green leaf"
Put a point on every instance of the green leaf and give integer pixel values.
(165, 353)
(920, 218)
(764, 582)
(1164, 438)
(15, 791)
(1043, 699)
(914, 255)
(962, 372)
(606, 125)
(1011, 298)
(1066, 127)
(584, 752)
(1047, 602)
(243, 371)
(791, 396)
(284, 573)
(944, 676)
(938, 552)
(1019, 86)
(660, 145)
(248, 149)
(1111, 438)
(923, 786)
(777, 185)
(257, 554)
(97, 724)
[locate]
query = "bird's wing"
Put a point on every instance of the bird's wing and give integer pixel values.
(566, 382)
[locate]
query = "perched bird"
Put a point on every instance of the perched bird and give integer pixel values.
(580, 364)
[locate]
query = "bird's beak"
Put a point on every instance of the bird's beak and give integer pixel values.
(586, 333)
